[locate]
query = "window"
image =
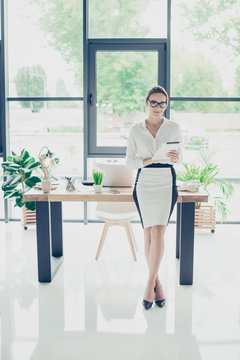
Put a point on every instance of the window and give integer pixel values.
(56, 124)
(45, 53)
(119, 76)
(205, 49)
(210, 125)
(128, 19)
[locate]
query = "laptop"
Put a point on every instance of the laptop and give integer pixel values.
(116, 175)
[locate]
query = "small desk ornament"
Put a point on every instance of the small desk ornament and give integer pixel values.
(70, 183)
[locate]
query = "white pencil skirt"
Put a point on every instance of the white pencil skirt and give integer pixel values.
(155, 194)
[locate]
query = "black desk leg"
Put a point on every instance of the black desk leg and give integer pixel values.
(178, 229)
(187, 243)
(56, 229)
(43, 241)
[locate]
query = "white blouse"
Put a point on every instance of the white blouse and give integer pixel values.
(142, 145)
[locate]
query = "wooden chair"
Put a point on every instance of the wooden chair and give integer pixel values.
(117, 213)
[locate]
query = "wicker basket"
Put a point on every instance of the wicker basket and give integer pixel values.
(29, 218)
(205, 217)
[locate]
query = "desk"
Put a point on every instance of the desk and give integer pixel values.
(49, 226)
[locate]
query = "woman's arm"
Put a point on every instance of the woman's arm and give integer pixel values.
(148, 162)
(132, 160)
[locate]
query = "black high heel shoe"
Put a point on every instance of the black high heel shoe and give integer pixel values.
(159, 303)
(147, 304)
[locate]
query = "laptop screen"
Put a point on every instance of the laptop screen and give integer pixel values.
(116, 175)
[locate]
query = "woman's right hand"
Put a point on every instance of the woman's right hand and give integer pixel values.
(147, 162)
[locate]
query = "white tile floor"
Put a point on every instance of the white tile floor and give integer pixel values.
(92, 310)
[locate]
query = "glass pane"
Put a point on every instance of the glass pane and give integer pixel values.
(205, 48)
(1, 193)
(128, 19)
(58, 125)
(213, 127)
(123, 79)
(45, 53)
(210, 125)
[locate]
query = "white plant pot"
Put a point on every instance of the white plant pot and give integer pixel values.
(97, 188)
(46, 185)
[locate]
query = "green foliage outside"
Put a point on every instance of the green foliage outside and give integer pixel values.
(196, 75)
(219, 22)
(121, 79)
(237, 88)
(216, 20)
(61, 91)
(31, 82)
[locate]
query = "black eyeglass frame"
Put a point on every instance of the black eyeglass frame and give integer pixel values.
(158, 103)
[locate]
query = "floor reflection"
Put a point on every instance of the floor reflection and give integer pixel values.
(92, 310)
(115, 323)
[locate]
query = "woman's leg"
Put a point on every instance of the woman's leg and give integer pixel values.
(147, 242)
(147, 245)
(155, 253)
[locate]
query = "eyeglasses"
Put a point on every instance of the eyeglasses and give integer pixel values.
(154, 103)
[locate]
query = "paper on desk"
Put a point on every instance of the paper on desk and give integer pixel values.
(161, 153)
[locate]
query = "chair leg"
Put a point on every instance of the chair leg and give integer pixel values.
(132, 236)
(125, 224)
(103, 237)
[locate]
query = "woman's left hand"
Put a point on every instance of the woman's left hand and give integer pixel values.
(173, 155)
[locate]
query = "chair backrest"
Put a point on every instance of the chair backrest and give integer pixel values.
(116, 174)
(116, 207)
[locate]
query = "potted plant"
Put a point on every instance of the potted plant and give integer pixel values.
(19, 179)
(97, 175)
(207, 172)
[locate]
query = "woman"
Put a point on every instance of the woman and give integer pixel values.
(155, 192)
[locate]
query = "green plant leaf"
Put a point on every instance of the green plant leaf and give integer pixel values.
(8, 180)
(12, 180)
(22, 153)
(34, 165)
(221, 207)
(35, 179)
(15, 193)
(8, 188)
(30, 205)
(26, 156)
(28, 162)
(17, 160)
(97, 176)
(10, 165)
(207, 171)
(13, 153)
(6, 194)
(19, 202)
(32, 181)
(28, 174)
(23, 170)
(16, 180)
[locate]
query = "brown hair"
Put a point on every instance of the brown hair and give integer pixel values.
(154, 90)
